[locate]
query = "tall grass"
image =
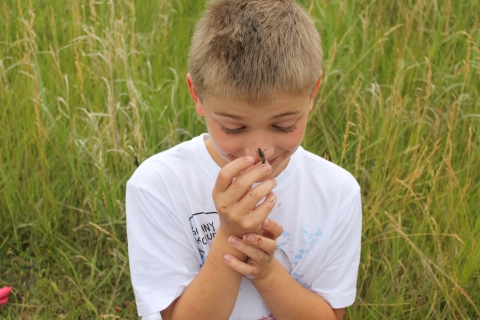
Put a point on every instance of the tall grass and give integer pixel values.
(89, 89)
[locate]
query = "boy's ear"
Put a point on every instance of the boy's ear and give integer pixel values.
(315, 91)
(195, 96)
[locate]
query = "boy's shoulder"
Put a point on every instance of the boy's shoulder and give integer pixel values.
(169, 164)
(322, 172)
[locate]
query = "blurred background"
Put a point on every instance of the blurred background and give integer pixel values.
(91, 88)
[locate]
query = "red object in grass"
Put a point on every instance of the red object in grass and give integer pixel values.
(4, 294)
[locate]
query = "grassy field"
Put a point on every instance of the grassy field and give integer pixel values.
(90, 88)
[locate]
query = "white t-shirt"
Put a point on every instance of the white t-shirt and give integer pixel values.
(171, 221)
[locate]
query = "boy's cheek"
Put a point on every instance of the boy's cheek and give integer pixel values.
(292, 144)
(226, 144)
(294, 140)
(227, 149)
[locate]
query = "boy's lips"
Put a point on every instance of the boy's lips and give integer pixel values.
(272, 161)
(269, 161)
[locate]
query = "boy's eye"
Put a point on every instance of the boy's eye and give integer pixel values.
(240, 130)
(232, 131)
(285, 129)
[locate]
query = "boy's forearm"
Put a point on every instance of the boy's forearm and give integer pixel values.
(215, 282)
(287, 299)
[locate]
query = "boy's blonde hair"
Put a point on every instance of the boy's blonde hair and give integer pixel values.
(254, 49)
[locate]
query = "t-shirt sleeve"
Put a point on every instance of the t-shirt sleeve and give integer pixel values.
(337, 276)
(162, 260)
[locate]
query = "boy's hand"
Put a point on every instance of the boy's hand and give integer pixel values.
(236, 201)
(259, 249)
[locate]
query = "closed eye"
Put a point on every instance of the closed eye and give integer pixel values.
(240, 130)
(233, 131)
(285, 129)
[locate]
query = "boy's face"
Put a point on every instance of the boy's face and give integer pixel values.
(237, 129)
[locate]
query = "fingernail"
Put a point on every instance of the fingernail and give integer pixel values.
(266, 222)
(267, 167)
(249, 159)
(227, 258)
(274, 183)
(248, 238)
(233, 240)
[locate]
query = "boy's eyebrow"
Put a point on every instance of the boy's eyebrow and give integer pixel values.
(285, 114)
(228, 115)
(241, 118)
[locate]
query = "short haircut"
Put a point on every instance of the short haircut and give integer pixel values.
(254, 49)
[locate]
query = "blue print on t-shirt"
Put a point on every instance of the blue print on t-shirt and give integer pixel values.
(305, 242)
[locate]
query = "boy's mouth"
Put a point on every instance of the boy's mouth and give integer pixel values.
(269, 161)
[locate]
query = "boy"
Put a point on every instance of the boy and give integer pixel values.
(213, 232)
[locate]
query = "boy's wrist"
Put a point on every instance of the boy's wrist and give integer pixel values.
(233, 229)
(221, 245)
(268, 277)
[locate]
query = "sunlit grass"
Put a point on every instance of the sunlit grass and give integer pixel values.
(88, 89)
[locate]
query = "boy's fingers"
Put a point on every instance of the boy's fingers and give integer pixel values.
(249, 220)
(263, 210)
(258, 243)
(256, 248)
(253, 196)
(259, 251)
(248, 270)
(228, 172)
(252, 220)
(246, 179)
(243, 182)
(271, 229)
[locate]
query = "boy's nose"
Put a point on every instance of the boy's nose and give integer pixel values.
(254, 152)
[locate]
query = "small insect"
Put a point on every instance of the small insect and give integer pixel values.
(262, 156)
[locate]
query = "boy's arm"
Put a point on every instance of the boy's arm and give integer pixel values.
(215, 282)
(222, 280)
(238, 212)
(285, 297)
(296, 301)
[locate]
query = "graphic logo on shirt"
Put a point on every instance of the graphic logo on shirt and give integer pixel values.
(204, 228)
